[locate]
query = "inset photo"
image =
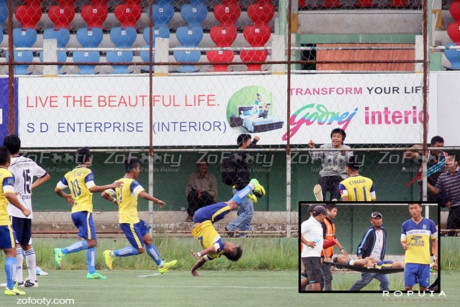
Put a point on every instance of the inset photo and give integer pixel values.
(363, 247)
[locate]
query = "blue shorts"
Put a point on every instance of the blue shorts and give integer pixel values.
(83, 220)
(23, 229)
(417, 273)
(135, 233)
(213, 213)
(7, 237)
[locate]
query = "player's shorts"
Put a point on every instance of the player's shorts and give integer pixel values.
(7, 237)
(313, 269)
(213, 213)
(417, 273)
(83, 220)
(135, 232)
(23, 229)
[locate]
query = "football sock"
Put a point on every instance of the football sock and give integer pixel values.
(76, 247)
(10, 270)
(125, 252)
(242, 194)
(153, 253)
(91, 259)
(19, 262)
(31, 264)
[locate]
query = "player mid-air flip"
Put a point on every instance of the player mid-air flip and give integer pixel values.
(204, 231)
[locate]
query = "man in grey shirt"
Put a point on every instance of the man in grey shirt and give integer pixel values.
(201, 189)
(332, 165)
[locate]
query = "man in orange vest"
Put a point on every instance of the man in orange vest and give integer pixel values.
(329, 241)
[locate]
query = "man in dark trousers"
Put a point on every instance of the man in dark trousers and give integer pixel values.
(373, 245)
(246, 208)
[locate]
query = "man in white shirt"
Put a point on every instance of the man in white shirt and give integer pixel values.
(312, 238)
(24, 171)
(373, 244)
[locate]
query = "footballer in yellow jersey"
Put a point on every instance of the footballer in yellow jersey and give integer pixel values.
(136, 230)
(356, 187)
(417, 236)
(206, 234)
(7, 236)
(80, 182)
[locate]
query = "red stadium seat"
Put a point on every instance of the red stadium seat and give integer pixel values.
(257, 35)
(248, 56)
(33, 2)
(94, 16)
(223, 36)
(99, 2)
(227, 14)
(332, 4)
(66, 2)
(132, 2)
(220, 56)
(454, 10)
(365, 3)
(61, 16)
(128, 14)
(453, 30)
(29, 15)
(399, 3)
(261, 13)
(302, 3)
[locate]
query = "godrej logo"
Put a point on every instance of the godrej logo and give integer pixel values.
(318, 113)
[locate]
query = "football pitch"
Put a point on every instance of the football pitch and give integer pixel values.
(221, 288)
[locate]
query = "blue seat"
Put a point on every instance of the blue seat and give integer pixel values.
(89, 37)
(453, 55)
(85, 57)
(162, 31)
(194, 14)
(22, 56)
(61, 35)
(158, 31)
(1, 33)
(162, 12)
(119, 57)
(24, 37)
(3, 12)
(188, 37)
(123, 37)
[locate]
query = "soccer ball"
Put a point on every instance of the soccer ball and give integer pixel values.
(56, 158)
(68, 158)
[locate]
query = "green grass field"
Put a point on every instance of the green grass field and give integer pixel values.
(266, 276)
(221, 288)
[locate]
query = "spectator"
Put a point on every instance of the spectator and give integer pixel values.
(332, 165)
(449, 183)
(201, 189)
(246, 209)
(435, 167)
